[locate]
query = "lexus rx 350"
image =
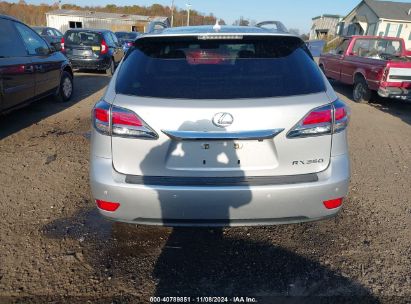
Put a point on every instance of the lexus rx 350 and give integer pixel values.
(219, 126)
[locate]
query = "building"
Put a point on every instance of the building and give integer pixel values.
(324, 26)
(379, 18)
(63, 20)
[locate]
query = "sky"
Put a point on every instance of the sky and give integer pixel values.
(293, 13)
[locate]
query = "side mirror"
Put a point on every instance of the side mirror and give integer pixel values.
(52, 47)
(56, 44)
(43, 51)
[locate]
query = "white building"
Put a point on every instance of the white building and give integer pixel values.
(63, 20)
(324, 26)
(379, 18)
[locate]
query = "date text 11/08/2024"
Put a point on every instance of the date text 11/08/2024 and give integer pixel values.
(203, 300)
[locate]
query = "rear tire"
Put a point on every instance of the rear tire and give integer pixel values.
(111, 69)
(66, 87)
(361, 91)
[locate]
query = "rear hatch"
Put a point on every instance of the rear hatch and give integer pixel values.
(219, 107)
(398, 66)
(83, 44)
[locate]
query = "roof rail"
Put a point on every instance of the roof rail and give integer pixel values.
(156, 25)
(279, 26)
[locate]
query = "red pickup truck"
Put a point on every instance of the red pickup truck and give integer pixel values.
(371, 64)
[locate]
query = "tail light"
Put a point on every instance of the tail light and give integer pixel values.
(334, 203)
(341, 116)
(384, 77)
(130, 44)
(103, 47)
(328, 119)
(120, 122)
(101, 117)
(62, 45)
(107, 206)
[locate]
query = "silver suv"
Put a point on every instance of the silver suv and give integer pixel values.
(219, 126)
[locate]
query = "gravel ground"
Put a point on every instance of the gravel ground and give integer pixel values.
(54, 246)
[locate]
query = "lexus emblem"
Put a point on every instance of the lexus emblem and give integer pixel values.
(223, 119)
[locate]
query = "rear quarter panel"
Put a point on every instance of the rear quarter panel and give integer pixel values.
(329, 62)
(371, 69)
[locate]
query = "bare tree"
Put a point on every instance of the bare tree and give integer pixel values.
(294, 31)
(241, 22)
(305, 37)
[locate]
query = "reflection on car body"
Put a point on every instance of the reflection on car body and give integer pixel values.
(29, 68)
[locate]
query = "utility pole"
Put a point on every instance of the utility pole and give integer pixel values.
(172, 13)
(188, 5)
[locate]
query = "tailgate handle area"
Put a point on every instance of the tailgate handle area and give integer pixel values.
(239, 135)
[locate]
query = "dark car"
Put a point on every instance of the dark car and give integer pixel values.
(92, 49)
(51, 35)
(29, 68)
(127, 39)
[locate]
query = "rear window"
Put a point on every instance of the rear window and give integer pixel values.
(82, 38)
(57, 33)
(377, 48)
(38, 30)
(11, 44)
(253, 67)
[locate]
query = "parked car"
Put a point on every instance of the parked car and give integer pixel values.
(370, 64)
(127, 39)
(29, 68)
(219, 126)
(51, 35)
(92, 49)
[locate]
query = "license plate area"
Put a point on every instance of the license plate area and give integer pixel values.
(84, 53)
(222, 155)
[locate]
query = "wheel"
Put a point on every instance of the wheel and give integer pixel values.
(66, 87)
(361, 92)
(111, 68)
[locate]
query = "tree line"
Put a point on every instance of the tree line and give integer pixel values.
(35, 14)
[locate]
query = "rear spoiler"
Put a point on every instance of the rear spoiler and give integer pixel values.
(156, 25)
(280, 27)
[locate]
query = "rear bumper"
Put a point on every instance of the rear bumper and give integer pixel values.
(394, 92)
(219, 206)
(94, 64)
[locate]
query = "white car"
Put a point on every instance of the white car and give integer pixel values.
(219, 126)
